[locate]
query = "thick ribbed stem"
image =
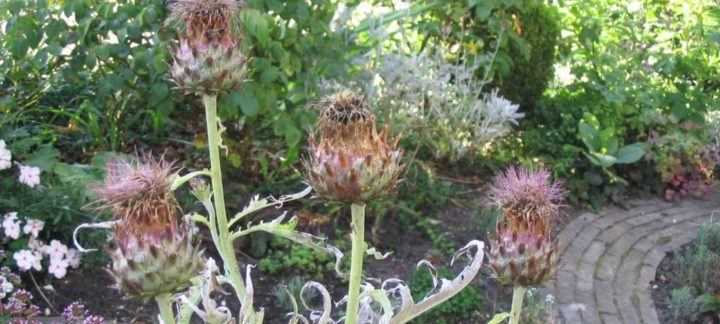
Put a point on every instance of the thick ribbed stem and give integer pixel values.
(517, 302)
(164, 302)
(356, 262)
(223, 244)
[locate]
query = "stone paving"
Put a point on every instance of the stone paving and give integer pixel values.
(608, 259)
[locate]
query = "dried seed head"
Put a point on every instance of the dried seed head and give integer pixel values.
(206, 21)
(352, 162)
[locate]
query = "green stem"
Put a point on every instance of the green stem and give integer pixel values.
(518, 295)
(356, 262)
(164, 302)
(223, 243)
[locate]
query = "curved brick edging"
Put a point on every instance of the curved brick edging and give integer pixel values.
(609, 259)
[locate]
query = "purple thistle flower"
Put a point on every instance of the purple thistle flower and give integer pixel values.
(527, 196)
(139, 194)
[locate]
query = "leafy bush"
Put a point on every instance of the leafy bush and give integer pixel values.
(682, 303)
(643, 88)
(97, 73)
(96, 69)
(539, 25)
(463, 306)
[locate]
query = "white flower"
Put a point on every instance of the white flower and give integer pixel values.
(73, 258)
(38, 258)
(5, 156)
(58, 267)
(56, 250)
(12, 230)
(30, 175)
(33, 226)
(550, 299)
(5, 287)
(24, 259)
(9, 218)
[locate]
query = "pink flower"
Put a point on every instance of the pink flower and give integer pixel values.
(36, 263)
(9, 218)
(5, 156)
(30, 175)
(58, 267)
(24, 259)
(5, 287)
(12, 229)
(33, 226)
(73, 258)
(56, 250)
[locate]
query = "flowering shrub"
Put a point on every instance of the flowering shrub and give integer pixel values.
(30, 251)
(686, 156)
(31, 257)
(16, 305)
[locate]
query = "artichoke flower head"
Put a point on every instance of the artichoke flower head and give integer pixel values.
(154, 252)
(351, 162)
(522, 251)
(208, 59)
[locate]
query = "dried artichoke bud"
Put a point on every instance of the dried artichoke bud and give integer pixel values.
(208, 59)
(351, 162)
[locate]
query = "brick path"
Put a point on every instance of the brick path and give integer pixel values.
(608, 259)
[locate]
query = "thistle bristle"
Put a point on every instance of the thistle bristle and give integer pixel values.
(343, 108)
(528, 198)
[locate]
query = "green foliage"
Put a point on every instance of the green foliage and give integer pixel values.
(292, 46)
(682, 303)
(699, 266)
(462, 306)
(284, 290)
(304, 260)
(697, 276)
(629, 67)
(708, 303)
(604, 147)
(60, 198)
(95, 68)
(531, 70)
(709, 236)
(97, 71)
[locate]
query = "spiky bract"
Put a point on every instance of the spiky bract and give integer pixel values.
(147, 267)
(208, 60)
(212, 70)
(351, 163)
(519, 257)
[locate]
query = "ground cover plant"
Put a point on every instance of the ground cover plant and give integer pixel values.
(379, 124)
(690, 276)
